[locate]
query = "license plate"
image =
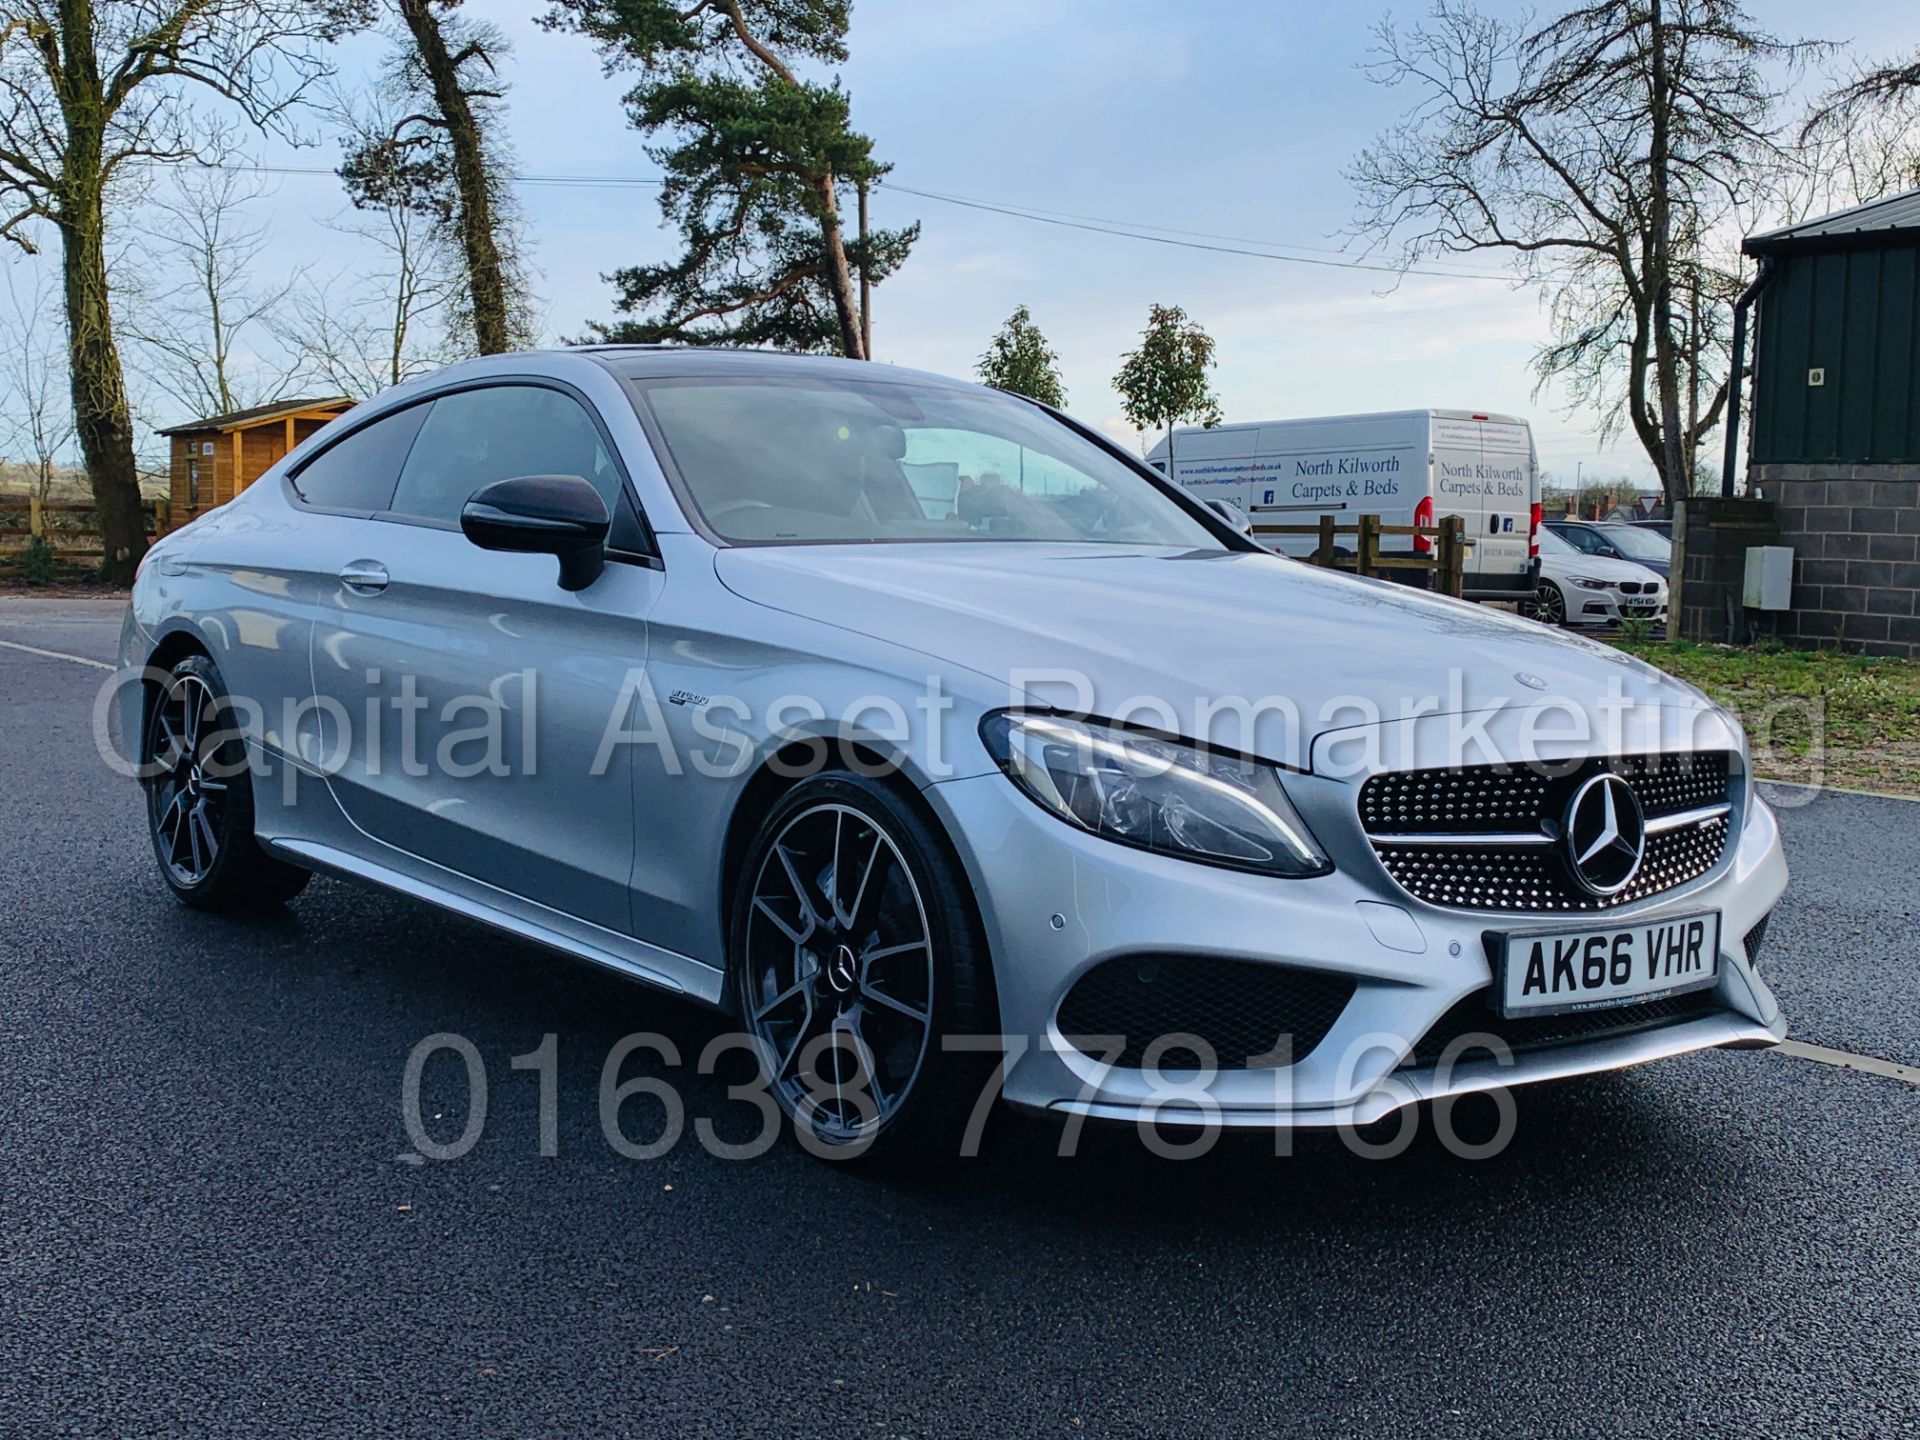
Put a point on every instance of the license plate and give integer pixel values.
(1552, 972)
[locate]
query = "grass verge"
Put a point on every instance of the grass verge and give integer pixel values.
(1814, 716)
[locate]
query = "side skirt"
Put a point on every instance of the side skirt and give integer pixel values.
(636, 959)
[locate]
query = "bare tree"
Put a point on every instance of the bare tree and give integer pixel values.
(368, 328)
(36, 413)
(445, 155)
(202, 316)
(1613, 155)
(1866, 130)
(89, 91)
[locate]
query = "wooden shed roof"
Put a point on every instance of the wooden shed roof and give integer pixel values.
(259, 414)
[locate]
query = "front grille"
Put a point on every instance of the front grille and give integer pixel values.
(1424, 825)
(1473, 1016)
(1240, 1008)
(1632, 587)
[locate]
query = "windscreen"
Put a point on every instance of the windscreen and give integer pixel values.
(773, 460)
(1639, 544)
(1552, 544)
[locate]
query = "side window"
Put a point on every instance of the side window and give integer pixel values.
(357, 474)
(475, 437)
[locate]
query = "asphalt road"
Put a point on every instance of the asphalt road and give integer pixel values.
(213, 1222)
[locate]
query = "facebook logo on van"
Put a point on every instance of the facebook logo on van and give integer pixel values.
(1266, 497)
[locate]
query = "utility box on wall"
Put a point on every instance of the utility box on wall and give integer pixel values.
(1711, 539)
(1769, 584)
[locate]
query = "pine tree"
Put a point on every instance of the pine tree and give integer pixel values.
(758, 165)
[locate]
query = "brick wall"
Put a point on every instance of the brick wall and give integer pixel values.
(1710, 539)
(1855, 533)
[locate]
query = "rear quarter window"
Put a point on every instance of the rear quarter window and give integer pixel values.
(357, 474)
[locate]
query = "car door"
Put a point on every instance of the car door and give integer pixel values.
(332, 496)
(478, 692)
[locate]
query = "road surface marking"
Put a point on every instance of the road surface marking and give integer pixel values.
(1836, 790)
(59, 655)
(1845, 1060)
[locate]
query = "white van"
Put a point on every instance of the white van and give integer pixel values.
(1409, 467)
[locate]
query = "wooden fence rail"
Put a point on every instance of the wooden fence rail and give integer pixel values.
(1445, 562)
(68, 526)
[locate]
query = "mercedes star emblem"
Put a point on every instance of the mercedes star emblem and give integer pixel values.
(1605, 835)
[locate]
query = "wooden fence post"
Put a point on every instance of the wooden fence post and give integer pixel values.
(1453, 555)
(1367, 549)
(162, 515)
(1324, 555)
(36, 519)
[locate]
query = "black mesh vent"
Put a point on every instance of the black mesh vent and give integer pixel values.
(1756, 937)
(1489, 799)
(1476, 799)
(1239, 1007)
(1473, 1016)
(1533, 877)
(1668, 784)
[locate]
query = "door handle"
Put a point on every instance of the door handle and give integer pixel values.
(364, 577)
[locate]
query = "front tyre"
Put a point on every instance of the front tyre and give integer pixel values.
(855, 955)
(1548, 606)
(200, 798)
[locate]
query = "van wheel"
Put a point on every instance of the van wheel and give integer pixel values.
(200, 799)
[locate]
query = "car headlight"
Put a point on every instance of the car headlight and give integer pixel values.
(1745, 752)
(1587, 582)
(1157, 795)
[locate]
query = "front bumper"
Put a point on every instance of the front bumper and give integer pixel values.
(1056, 902)
(1610, 606)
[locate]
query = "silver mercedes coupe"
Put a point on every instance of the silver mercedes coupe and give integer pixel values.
(949, 748)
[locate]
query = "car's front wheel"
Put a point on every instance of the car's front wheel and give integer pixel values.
(856, 957)
(200, 798)
(1548, 605)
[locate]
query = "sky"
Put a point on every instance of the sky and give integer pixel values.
(1231, 117)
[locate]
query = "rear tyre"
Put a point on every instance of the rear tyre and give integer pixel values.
(855, 956)
(200, 799)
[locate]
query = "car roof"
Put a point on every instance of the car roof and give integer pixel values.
(653, 362)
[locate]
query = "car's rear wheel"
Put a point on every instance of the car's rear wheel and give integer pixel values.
(855, 957)
(200, 798)
(1548, 605)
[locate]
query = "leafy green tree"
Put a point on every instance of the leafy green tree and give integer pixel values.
(758, 163)
(1165, 381)
(1020, 361)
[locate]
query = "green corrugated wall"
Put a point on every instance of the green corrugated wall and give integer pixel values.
(1852, 313)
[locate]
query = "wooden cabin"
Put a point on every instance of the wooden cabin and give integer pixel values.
(216, 458)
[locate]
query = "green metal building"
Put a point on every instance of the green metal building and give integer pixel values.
(1837, 358)
(1836, 420)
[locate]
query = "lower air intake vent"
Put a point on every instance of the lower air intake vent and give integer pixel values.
(1240, 1008)
(1472, 1016)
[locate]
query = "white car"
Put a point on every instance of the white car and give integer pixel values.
(1581, 589)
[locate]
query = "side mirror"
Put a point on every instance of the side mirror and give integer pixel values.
(560, 515)
(1232, 514)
